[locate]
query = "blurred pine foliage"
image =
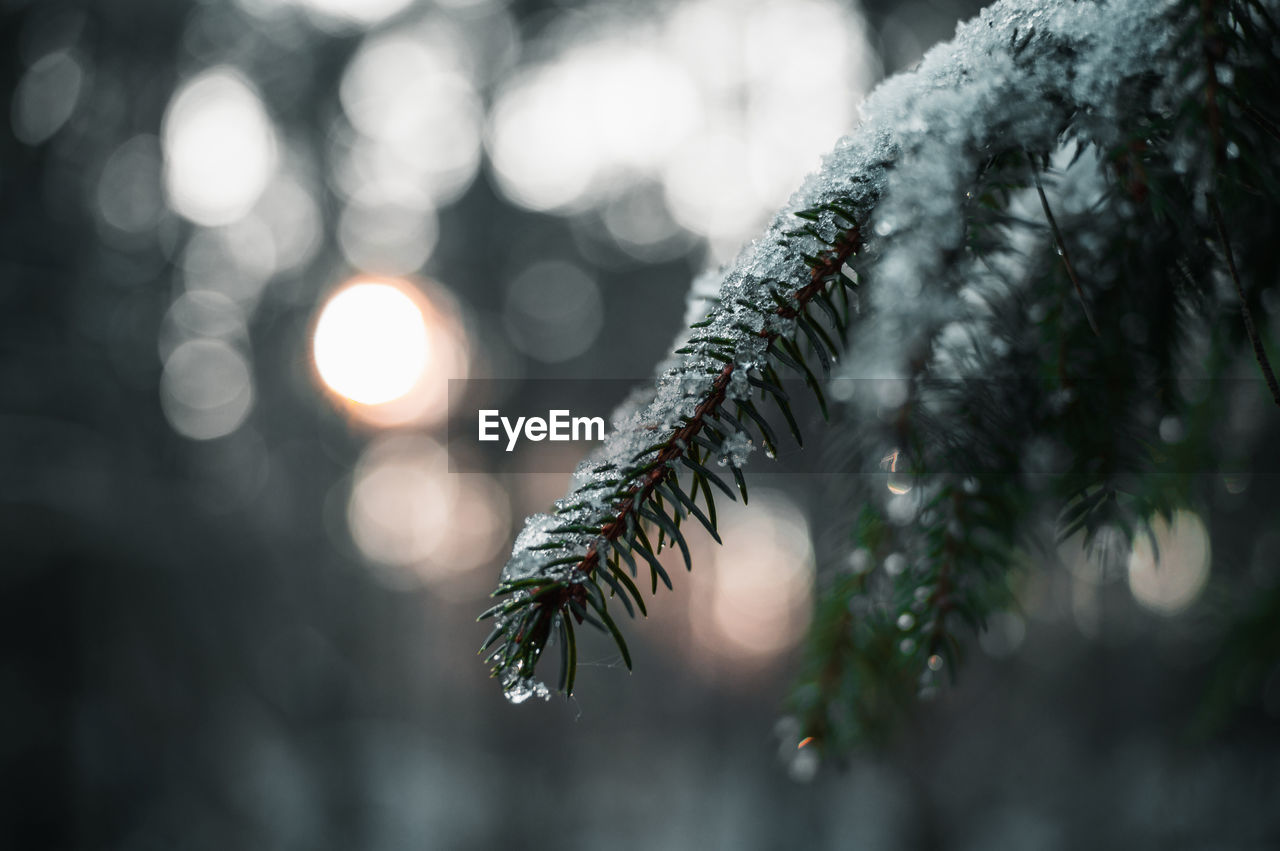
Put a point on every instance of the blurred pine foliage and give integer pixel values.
(1055, 239)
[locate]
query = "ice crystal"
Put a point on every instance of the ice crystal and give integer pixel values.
(518, 689)
(735, 449)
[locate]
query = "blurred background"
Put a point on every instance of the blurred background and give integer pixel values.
(240, 564)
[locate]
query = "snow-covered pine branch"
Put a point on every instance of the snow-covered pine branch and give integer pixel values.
(899, 256)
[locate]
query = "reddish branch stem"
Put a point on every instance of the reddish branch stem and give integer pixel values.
(942, 593)
(1213, 48)
(682, 438)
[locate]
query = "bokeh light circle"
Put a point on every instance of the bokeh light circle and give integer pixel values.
(1169, 567)
(371, 343)
(219, 147)
(206, 389)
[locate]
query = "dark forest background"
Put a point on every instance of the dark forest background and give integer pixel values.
(202, 650)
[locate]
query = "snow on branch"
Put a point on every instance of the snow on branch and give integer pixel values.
(891, 197)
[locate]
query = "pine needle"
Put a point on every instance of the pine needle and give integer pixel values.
(1062, 252)
(1259, 352)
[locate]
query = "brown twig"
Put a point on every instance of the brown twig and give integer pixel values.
(1259, 353)
(681, 439)
(942, 596)
(1213, 48)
